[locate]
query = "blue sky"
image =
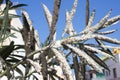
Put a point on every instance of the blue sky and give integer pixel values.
(37, 16)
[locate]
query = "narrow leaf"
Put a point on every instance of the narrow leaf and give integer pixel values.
(106, 32)
(97, 50)
(81, 53)
(103, 47)
(6, 51)
(91, 19)
(19, 71)
(69, 16)
(97, 59)
(54, 19)
(112, 21)
(87, 12)
(48, 15)
(73, 10)
(64, 64)
(107, 39)
(36, 65)
(14, 55)
(18, 6)
(98, 25)
(13, 59)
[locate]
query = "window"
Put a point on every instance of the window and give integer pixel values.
(91, 75)
(114, 73)
(107, 73)
(103, 71)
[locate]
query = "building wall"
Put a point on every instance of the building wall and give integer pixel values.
(112, 64)
(16, 23)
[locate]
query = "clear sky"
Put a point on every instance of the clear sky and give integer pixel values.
(37, 16)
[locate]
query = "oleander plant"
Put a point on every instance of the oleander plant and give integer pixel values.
(55, 52)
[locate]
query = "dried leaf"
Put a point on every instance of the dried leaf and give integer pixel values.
(54, 20)
(87, 12)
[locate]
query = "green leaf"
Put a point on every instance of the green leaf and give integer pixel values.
(97, 59)
(5, 22)
(18, 6)
(19, 47)
(101, 44)
(19, 71)
(12, 35)
(12, 59)
(13, 28)
(14, 55)
(35, 77)
(7, 50)
(14, 16)
(8, 34)
(10, 16)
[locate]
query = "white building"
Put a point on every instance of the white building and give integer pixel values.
(114, 67)
(113, 74)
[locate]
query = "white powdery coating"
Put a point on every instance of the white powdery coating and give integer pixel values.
(28, 19)
(91, 20)
(48, 15)
(107, 39)
(64, 64)
(97, 50)
(111, 21)
(98, 25)
(36, 65)
(106, 32)
(85, 56)
(69, 16)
